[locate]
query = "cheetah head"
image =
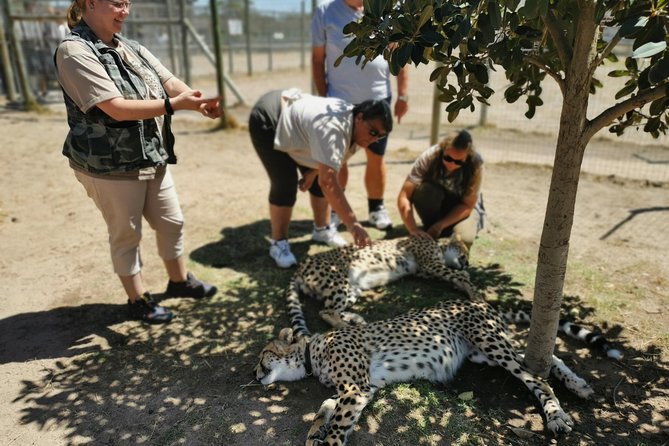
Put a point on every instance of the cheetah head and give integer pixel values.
(282, 359)
(456, 253)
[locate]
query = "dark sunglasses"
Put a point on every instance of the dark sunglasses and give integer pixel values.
(448, 159)
(375, 133)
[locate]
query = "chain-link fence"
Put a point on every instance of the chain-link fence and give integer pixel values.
(262, 41)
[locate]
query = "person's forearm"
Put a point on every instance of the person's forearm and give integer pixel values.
(175, 86)
(457, 214)
(406, 214)
(403, 82)
(133, 109)
(327, 180)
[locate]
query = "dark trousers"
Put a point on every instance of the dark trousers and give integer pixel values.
(432, 203)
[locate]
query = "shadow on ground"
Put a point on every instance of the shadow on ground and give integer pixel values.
(189, 382)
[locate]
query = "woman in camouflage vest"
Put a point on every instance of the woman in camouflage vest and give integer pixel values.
(444, 188)
(119, 100)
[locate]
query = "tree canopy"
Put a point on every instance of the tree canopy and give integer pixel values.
(528, 42)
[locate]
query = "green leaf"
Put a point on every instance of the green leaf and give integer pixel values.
(495, 16)
(630, 64)
(649, 49)
(452, 115)
(632, 26)
(529, 114)
(453, 106)
(658, 106)
(400, 57)
(481, 73)
(426, 15)
(618, 73)
(659, 71)
(652, 125)
(436, 73)
(430, 36)
(626, 90)
(512, 94)
(534, 101)
(417, 55)
(531, 9)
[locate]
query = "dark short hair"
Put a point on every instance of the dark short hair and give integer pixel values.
(374, 109)
(462, 140)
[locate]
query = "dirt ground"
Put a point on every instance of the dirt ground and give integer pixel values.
(74, 371)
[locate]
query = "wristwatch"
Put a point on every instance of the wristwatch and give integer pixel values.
(404, 98)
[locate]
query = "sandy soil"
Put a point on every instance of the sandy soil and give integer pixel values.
(73, 371)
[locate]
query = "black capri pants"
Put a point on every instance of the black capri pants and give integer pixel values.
(281, 168)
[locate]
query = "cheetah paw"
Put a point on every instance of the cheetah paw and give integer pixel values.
(580, 388)
(560, 423)
(352, 318)
(316, 437)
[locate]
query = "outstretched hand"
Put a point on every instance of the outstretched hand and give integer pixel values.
(193, 100)
(307, 180)
(211, 108)
(360, 236)
(421, 234)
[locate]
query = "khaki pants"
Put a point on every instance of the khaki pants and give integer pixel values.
(123, 203)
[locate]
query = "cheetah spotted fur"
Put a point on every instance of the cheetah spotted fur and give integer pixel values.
(430, 344)
(339, 275)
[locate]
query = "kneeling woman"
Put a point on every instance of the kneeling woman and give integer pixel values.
(444, 188)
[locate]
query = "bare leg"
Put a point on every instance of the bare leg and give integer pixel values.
(321, 208)
(375, 176)
(176, 269)
(133, 286)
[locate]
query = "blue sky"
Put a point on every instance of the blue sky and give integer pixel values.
(274, 5)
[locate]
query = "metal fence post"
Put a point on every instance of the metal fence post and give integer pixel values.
(247, 34)
(7, 69)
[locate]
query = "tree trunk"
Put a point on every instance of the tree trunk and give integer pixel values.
(554, 247)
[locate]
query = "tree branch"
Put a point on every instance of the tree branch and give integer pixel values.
(607, 116)
(606, 51)
(536, 62)
(561, 45)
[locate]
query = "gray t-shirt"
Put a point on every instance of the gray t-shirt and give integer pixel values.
(452, 183)
(314, 130)
(347, 81)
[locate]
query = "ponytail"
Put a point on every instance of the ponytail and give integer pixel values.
(74, 12)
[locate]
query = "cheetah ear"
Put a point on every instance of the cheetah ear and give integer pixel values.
(286, 335)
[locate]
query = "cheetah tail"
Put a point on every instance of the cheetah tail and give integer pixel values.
(297, 320)
(593, 340)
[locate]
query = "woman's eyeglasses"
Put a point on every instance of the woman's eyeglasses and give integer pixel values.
(447, 159)
(120, 4)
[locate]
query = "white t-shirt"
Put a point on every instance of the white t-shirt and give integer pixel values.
(314, 130)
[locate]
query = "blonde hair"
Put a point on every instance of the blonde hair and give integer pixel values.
(74, 12)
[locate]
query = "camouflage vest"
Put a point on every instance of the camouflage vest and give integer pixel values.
(98, 143)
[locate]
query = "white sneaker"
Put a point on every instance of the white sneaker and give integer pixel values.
(335, 221)
(329, 236)
(280, 252)
(380, 218)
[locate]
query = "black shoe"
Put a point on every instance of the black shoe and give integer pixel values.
(146, 309)
(191, 287)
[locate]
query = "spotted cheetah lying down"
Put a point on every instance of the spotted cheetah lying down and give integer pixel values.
(427, 344)
(338, 276)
